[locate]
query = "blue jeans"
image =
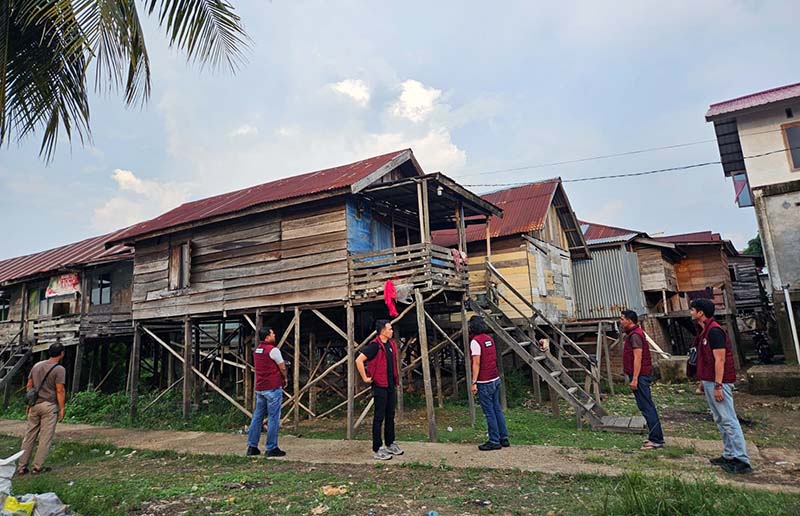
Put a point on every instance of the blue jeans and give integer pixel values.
(268, 403)
(733, 445)
(644, 400)
(489, 398)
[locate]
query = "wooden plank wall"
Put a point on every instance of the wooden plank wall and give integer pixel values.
(271, 259)
(656, 272)
(705, 266)
(746, 289)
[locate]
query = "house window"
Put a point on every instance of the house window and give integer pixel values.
(101, 289)
(5, 308)
(732, 272)
(180, 259)
(44, 304)
(791, 137)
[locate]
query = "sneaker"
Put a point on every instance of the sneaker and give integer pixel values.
(719, 461)
(394, 449)
(489, 445)
(275, 452)
(737, 467)
(382, 454)
(252, 451)
(504, 443)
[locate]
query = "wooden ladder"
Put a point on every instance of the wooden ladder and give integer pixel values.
(12, 358)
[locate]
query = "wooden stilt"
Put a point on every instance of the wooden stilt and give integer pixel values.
(135, 355)
(437, 370)
(103, 361)
(551, 393)
(498, 348)
(187, 368)
(426, 365)
(467, 358)
(608, 364)
(296, 374)
(454, 369)
(198, 387)
(78, 366)
(351, 369)
(401, 350)
(312, 368)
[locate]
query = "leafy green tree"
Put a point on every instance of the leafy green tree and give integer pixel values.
(47, 47)
(754, 246)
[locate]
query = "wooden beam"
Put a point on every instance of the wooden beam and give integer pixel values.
(312, 368)
(296, 374)
(426, 365)
(287, 332)
(187, 364)
(330, 323)
(135, 356)
(197, 371)
(364, 413)
(351, 368)
(467, 358)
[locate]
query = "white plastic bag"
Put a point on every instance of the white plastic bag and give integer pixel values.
(8, 467)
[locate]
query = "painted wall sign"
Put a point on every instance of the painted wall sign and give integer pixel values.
(63, 285)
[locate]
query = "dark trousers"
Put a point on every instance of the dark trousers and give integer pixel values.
(644, 400)
(385, 403)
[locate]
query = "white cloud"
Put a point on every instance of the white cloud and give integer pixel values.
(136, 200)
(416, 101)
(244, 130)
(434, 150)
(356, 89)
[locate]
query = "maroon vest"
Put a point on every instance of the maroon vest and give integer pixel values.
(268, 376)
(376, 368)
(705, 356)
(627, 353)
(488, 369)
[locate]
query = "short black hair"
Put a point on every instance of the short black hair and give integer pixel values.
(631, 316)
(477, 325)
(263, 333)
(55, 349)
(381, 324)
(703, 305)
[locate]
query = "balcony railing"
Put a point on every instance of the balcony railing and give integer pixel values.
(423, 266)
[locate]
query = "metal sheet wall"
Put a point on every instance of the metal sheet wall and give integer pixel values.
(607, 284)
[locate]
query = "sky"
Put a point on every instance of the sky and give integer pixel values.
(474, 88)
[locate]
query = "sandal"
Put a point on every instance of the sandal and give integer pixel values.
(648, 445)
(23, 470)
(36, 471)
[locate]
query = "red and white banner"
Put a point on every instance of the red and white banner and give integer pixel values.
(63, 285)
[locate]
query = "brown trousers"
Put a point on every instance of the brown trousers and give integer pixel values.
(42, 420)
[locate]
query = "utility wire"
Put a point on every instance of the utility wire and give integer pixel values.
(606, 156)
(635, 174)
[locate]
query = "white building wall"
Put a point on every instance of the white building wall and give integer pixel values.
(760, 133)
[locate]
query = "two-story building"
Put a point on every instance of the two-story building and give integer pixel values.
(759, 144)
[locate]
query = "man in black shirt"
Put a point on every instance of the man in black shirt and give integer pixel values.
(377, 366)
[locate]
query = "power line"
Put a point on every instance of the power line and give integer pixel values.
(636, 174)
(606, 156)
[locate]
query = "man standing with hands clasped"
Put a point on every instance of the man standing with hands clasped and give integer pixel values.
(715, 368)
(637, 365)
(377, 366)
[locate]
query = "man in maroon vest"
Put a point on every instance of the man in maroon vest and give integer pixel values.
(486, 383)
(270, 380)
(377, 365)
(715, 368)
(637, 365)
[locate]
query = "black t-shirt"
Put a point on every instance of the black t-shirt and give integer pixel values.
(716, 338)
(371, 350)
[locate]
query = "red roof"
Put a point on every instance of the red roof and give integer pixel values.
(286, 188)
(91, 250)
(595, 233)
(754, 100)
(524, 209)
(700, 237)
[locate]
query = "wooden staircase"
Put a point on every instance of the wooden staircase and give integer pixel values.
(13, 356)
(522, 332)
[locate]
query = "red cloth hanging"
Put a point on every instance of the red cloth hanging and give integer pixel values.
(389, 297)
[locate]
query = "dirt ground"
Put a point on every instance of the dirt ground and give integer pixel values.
(776, 469)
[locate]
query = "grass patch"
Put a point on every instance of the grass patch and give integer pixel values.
(98, 479)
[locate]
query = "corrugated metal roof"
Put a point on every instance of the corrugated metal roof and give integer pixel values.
(698, 237)
(524, 210)
(87, 251)
(282, 189)
(754, 100)
(596, 234)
